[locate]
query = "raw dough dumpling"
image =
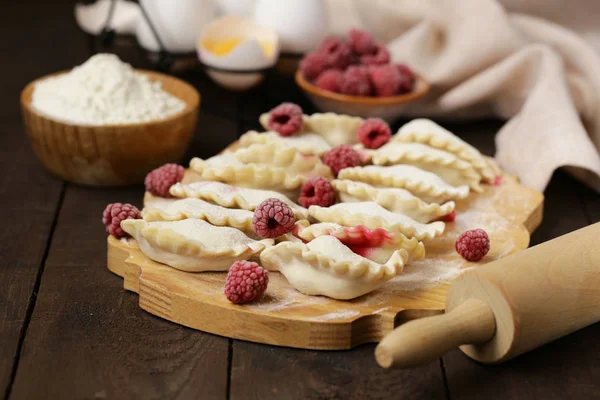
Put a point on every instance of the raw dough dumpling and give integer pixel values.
(193, 245)
(291, 159)
(267, 166)
(326, 267)
(446, 165)
(169, 210)
(392, 199)
(336, 129)
(424, 184)
(377, 245)
(373, 216)
(306, 143)
(232, 196)
(428, 132)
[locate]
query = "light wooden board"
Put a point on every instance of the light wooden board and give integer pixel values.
(285, 317)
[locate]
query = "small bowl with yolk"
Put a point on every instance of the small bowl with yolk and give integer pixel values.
(236, 52)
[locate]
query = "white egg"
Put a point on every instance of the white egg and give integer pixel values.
(301, 24)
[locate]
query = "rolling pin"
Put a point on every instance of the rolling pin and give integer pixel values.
(508, 307)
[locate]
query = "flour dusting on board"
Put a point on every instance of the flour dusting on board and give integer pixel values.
(343, 314)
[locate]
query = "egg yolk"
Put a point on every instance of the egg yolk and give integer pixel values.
(223, 46)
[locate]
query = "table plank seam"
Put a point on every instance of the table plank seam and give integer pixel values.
(33, 296)
(229, 366)
(445, 378)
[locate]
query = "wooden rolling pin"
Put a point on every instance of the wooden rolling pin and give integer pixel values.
(508, 307)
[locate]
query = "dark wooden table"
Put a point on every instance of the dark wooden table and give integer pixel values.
(68, 330)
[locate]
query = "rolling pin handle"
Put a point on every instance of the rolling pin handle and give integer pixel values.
(424, 340)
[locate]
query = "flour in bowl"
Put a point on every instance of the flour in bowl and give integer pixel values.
(104, 91)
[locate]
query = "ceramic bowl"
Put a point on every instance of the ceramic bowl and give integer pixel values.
(112, 155)
(387, 108)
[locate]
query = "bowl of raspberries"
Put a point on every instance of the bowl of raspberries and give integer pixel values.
(356, 77)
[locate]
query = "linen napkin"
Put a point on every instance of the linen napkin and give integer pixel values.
(484, 60)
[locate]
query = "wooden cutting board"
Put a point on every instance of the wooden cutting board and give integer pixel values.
(284, 317)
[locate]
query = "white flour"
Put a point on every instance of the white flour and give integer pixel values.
(102, 91)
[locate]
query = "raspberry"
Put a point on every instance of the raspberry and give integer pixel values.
(408, 78)
(473, 245)
(356, 81)
(159, 181)
(341, 157)
(381, 56)
(374, 133)
(312, 65)
(317, 191)
(246, 281)
(115, 213)
(448, 218)
(330, 80)
(361, 42)
(386, 79)
(286, 119)
(497, 181)
(273, 218)
(337, 53)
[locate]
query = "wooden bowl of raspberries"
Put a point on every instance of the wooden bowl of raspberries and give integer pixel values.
(356, 77)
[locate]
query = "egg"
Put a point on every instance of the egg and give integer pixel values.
(301, 24)
(236, 51)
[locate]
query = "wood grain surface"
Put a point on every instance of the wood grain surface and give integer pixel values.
(81, 338)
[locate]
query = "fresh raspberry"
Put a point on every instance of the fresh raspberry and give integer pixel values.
(337, 53)
(386, 79)
(246, 281)
(330, 80)
(473, 245)
(286, 119)
(381, 56)
(317, 191)
(273, 218)
(341, 157)
(374, 133)
(407, 83)
(448, 218)
(159, 181)
(115, 213)
(362, 42)
(312, 65)
(356, 81)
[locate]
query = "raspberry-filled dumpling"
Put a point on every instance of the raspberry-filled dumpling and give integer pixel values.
(393, 199)
(446, 165)
(193, 244)
(428, 132)
(375, 244)
(373, 216)
(336, 129)
(309, 144)
(326, 267)
(424, 184)
(233, 196)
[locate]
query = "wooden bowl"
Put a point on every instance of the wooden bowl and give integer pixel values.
(387, 108)
(112, 155)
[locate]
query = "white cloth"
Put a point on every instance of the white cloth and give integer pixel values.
(484, 60)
